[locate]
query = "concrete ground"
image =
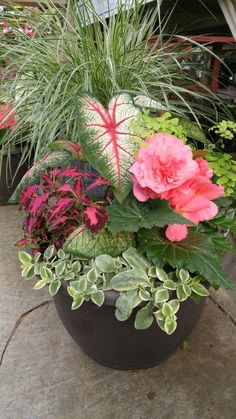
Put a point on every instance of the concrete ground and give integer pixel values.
(45, 375)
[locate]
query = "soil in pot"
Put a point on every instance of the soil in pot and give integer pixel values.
(10, 177)
(118, 344)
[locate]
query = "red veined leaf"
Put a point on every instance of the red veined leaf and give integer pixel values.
(65, 188)
(38, 203)
(109, 148)
(95, 218)
(61, 206)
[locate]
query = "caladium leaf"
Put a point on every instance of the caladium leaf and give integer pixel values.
(55, 159)
(108, 148)
(83, 243)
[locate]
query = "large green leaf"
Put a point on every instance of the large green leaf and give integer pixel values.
(51, 160)
(196, 253)
(135, 215)
(87, 245)
(192, 130)
(109, 149)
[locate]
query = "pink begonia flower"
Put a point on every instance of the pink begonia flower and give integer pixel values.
(193, 201)
(205, 170)
(176, 232)
(164, 163)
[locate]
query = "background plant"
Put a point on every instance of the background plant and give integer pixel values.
(98, 56)
(136, 281)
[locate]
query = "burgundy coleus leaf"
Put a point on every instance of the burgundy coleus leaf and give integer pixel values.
(65, 188)
(98, 182)
(78, 188)
(108, 148)
(61, 206)
(59, 221)
(95, 218)
(71, 172)
(29, 224)
(26, 195)
(23, 242)
(38, 204)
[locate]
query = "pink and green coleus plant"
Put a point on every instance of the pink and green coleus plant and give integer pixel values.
(157, 223)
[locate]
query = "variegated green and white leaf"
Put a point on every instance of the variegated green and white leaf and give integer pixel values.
(109, 149)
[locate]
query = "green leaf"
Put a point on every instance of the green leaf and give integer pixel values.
(184, 275)
(135, 215)
(161, 274)
(78, 301)
(98, 298)
(144, 318)
(54, 286)
(161, 295)
(105, 263)
(55, 159)
(196, 254)
(48, 254)
(136, 260)
(60, 268)
(84, 244)
(92, 275)
(167, 309)
(144, 295)
(200, 289)
(29, 272)
(181, 293)
(127, 280)
(46, 273)
(80, 285)
(40, 284)
(170, 325)
(25, 258)
(123, 310)
(169, 284)
(76, 266)
(175, 305)
(192, 130)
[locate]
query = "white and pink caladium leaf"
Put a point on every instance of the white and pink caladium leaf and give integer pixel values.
(108, 148)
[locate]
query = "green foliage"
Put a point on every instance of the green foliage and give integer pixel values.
(149, 288)
(224, 167)
(196, 253)
(135, 215)
(51, 160)
(145, 125)
(84, 244)
(225, 130)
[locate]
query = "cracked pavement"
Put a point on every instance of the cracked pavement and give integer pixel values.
(45, 375)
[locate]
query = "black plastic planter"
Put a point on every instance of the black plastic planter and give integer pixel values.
(10, 177)
(118, 344)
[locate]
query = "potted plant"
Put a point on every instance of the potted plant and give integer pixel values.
(129, 264)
